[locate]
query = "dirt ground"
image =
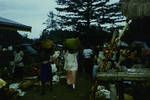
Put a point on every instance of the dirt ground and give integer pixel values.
(60, 91)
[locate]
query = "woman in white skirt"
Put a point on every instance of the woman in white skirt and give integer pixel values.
(71, 66)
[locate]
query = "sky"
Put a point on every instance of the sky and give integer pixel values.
(29, 12)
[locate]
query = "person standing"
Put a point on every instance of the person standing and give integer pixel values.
(18, 68)
(46, 52)
(88, 56)
(71, 66)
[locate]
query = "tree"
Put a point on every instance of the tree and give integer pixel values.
(80, 15)
(51, 22)
(45, 34)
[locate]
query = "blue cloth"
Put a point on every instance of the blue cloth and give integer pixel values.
(46, 72)
(95, 68)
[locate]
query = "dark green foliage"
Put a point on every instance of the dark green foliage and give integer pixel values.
(58, 35)
(51, 22)
(84, 13)
(86, 19)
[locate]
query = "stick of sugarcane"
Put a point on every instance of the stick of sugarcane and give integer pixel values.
(118, 39)
(124, 29)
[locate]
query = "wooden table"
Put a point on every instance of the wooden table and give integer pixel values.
(119, 77)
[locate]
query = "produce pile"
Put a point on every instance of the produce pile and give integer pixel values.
(72, 43)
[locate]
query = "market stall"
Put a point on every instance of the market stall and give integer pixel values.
(116, 79)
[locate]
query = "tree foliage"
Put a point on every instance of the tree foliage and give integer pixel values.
(90, 19)
(51, 22)
(80, 15)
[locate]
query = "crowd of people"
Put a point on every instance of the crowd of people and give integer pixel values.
(12, 62)
(87, 60)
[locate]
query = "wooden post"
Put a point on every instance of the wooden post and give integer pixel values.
(121, 90)
(113, 92)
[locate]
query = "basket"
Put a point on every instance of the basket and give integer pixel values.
(47, 44)
(72, 43)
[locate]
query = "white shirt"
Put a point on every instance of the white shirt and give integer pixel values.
(70, 61)
(101, 57)
(18, 58)
(87, 53)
